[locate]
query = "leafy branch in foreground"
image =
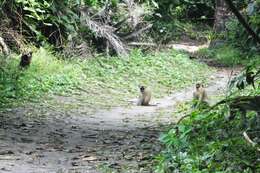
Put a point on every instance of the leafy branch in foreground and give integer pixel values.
(207, 140)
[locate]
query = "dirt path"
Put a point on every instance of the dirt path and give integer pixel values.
(189, 46)
(45, 138)
(39, 138)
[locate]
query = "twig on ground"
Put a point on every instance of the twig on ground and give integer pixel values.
(247, 138)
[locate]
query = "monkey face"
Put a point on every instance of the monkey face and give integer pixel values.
(198, 85)
(29, 54)
(142, 88)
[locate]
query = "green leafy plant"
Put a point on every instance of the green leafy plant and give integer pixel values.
(206, 143)
(236, 34)
(45, 20)
(46, 74)
(228, 55)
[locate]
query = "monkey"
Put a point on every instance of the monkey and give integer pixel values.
(200, 96)
(145, 96)
(26, 59)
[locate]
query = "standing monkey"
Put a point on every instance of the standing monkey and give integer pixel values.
(145, 96)
(200, 96)
(26, 59)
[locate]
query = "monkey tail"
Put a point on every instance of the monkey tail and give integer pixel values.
(153, 104)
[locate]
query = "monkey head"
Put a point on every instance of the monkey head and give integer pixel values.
(27, 56)
(30, 53)
(198, 85)
(142, 88)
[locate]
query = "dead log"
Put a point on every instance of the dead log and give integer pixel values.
(3, 46)
(142, 44)
(138, 32)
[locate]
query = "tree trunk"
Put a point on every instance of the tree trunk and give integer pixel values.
(221, 16)
(242, 20)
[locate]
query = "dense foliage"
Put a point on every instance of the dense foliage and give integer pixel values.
(209, 141)
(236, 34)
(58, 22)
(172, 19)
(41, 21)
(183, 9)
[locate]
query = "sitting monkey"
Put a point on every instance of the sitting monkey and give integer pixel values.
(200, 97)
(145, 96)
(26, 59)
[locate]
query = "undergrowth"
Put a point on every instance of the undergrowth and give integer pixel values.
(208, 141)
(205, 143)
(101, 79)
(165, 31)
(45, 74)
(228, 55)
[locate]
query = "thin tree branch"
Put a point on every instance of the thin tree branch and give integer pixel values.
(247, 138)
(243, 21)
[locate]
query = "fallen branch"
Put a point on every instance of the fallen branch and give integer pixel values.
(142, 44)
(247, 138)
(4, 46)
(136, 33)
(105, 31)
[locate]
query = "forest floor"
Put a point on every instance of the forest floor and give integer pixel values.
(45, 137)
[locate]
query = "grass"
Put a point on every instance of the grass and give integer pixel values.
(46, 74)
(103, 79)
(228, 55)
